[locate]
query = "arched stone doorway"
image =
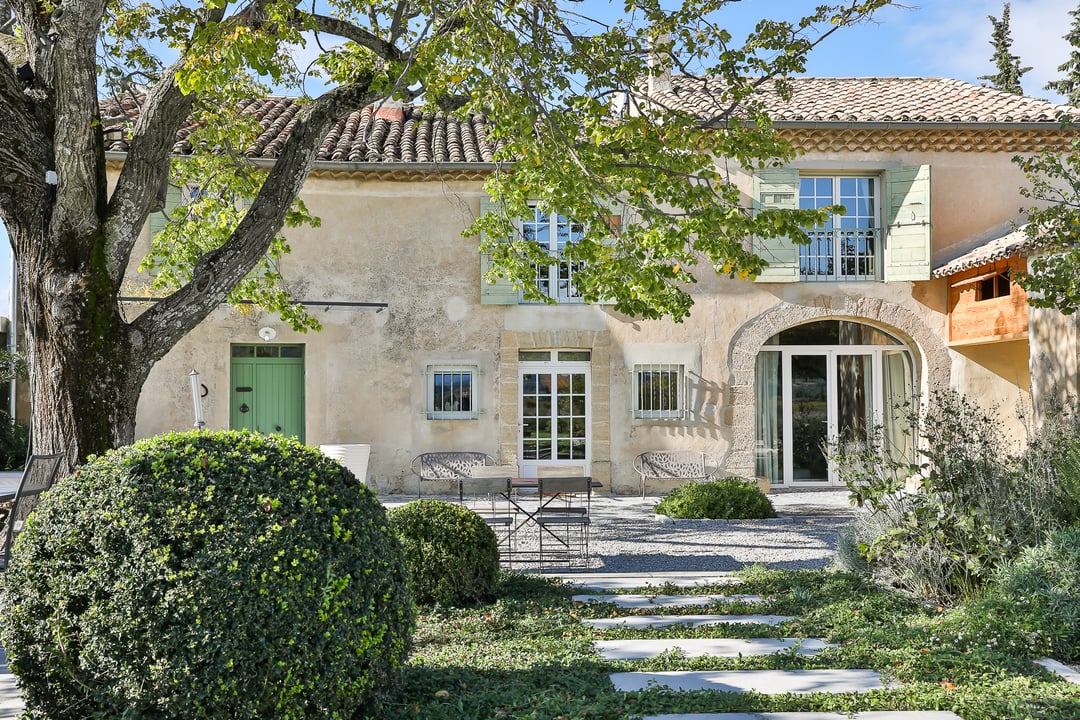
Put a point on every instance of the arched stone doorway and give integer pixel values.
(844, 365)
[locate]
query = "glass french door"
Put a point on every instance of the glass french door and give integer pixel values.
(827, 381)
(819, 396)
(554, 426)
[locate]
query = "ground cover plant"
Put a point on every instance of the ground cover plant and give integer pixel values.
(206, 575)
(730, 498)
(528, 655)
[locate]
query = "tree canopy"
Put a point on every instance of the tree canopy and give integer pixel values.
(1009, 71)
(1052, 279)
(1069, 85)
(544, 73)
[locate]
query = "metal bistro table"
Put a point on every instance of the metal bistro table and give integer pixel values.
(517, 487)
(9, 484)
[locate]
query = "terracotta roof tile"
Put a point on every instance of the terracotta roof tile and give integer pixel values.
(391, 133)
(999, 248)
(406, 133)
(872, 100)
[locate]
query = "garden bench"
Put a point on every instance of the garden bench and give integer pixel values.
(674, 465)
(450, 465)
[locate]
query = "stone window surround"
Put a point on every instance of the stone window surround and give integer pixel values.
(598, 342)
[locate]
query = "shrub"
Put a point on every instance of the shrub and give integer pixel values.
(451, 553)
(206, 575)
(1041, 590)
(977, 506)
(729, 498)
(14, 439)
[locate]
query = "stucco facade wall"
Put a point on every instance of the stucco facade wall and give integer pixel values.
(400, 242)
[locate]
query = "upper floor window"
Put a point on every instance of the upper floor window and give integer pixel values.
(883, 235)
(553, 232)
(845, 247)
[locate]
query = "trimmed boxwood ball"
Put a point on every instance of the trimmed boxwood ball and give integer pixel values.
(207, 575)
(730, 498)
(452, 554)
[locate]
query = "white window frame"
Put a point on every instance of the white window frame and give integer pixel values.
(472, 371)
(551, 274)
(840, 228)
(679, 411)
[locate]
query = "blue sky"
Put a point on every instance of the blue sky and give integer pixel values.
(931, 38)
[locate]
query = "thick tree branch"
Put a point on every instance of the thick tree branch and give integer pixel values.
(358, 35)
(145, 170)
(217, 273)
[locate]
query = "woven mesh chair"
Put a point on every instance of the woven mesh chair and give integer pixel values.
(39, 475)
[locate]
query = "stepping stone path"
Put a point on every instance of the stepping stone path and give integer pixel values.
(761, 681)
(638, 602)
(11, 704)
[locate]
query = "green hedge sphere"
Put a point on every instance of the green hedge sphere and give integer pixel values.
(206, 575)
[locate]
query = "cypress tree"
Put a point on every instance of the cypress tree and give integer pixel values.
(1069, 86)
(1008, 67)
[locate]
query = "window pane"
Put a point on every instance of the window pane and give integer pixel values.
(292, 351)
(243, 351)
(266, 352)
(574, 355)
(534, 355)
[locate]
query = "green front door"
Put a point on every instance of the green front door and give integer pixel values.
(267, 389)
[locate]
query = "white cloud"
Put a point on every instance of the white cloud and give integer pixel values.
(954, 40)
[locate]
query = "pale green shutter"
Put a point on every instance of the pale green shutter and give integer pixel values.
(502, 291)
(616, 219)
(907, 223)
(159, 219)
(777, 189)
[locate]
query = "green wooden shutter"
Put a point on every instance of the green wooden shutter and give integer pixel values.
(159, 219)
(907, 223)
(777, 189)
(502, 291)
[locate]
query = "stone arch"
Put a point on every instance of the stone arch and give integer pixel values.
(930, 355)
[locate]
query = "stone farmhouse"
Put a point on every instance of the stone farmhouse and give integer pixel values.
(909, 291)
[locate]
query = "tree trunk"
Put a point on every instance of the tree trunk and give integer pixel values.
(85, 378)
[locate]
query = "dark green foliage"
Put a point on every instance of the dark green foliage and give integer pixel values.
(1069, 86)
(1009, 72)
(451, 553)
(14, 439)
(207, 575)
(729, 498)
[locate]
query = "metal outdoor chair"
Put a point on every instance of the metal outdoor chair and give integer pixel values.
(684, 465)
(564, 529)
(492, 483)
(39, 475)
(450, 466)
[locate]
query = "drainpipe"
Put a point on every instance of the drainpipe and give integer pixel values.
(13, 327)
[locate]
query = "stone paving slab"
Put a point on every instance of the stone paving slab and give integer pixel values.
(872, 715)
(769, 682)
(707, 647)
(11, 705)
(658, 621)
(631, 581)
(637, 602)
(1060, 668)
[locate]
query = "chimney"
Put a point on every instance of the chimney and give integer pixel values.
(660, 64)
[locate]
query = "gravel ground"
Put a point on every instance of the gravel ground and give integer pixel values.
(627, 536)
